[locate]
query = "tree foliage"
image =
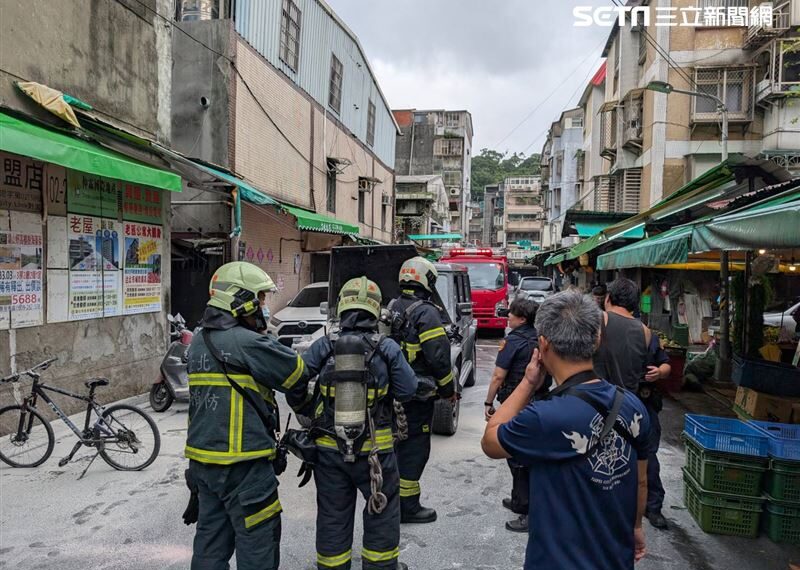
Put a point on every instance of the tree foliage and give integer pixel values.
(492, 167)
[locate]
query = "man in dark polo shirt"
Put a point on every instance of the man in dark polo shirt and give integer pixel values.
(586, 446)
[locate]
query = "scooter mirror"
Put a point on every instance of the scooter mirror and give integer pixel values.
(179, 319)
(170, 318)
(323, 308)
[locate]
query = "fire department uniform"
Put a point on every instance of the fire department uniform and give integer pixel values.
(427, 348)
(229, 447)
(337, 480)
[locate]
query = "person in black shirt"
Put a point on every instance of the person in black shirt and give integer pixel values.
(514, 355)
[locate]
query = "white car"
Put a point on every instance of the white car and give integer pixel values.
(534, 288)
(302, 316)
(784, 320)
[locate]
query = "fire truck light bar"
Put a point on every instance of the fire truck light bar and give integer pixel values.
(486, 252)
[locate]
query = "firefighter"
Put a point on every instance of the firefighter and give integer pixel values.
(417, 325)
(233, 373)
(360, 373)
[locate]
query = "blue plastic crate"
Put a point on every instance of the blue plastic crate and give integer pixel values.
(726, 435)
(784, 439)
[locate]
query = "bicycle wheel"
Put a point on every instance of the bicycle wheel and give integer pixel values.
(30, 441)
(132, 441)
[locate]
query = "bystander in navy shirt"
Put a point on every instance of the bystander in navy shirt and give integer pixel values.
(582, 508)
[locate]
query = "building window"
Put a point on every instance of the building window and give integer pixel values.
(335, 87)
(331, 187)
(452, 120)
(734, 85)
(451, 178)
(383, 216)
(361, 205)
(725, 4)
(577, 122)
(371, 124)
(290, 35)
(447, 147)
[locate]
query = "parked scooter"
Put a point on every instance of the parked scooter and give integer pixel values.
(173, 378)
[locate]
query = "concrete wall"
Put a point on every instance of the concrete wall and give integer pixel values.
(102, 51)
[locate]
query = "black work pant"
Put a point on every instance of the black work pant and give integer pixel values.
(520, 487)
(239, 511)
(413, 453)
(337, 485)
(655, 489)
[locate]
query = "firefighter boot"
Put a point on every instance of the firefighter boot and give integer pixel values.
(411, 511)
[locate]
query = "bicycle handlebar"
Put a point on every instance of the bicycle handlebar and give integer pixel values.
(44, 365)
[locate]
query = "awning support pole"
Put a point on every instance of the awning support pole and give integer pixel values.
(723, 372)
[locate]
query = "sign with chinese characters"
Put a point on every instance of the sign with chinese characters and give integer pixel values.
(715, 16)
(21, 182)
(93, 195)
(95, 265)
(142, 274)
(141, 204)
(20, 279)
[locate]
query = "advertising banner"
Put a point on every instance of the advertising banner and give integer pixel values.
(20, 279)
(142, 275)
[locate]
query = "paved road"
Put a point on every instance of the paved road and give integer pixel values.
(118, 521)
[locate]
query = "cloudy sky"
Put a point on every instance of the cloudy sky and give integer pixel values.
(503, 60)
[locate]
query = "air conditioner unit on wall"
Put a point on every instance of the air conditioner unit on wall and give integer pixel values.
(386, 199)
(455, 191)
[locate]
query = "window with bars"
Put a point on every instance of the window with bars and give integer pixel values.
(335, 84)
(642, 47)
(632, 121)
(734, 85)
(724, 4)
(451, 178)
(330, 188)
(627, 191)
(608, 131)
(604, 193)
(447, 147)
(290, 35)
(371, 124)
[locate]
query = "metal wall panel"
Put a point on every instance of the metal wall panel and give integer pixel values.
(259, 22)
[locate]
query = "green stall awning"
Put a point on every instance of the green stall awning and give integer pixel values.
(423, 237)
(774, 224)
(669, 247)
(555, 259)
(309, 221)
(247, 192)
(589, 229)
(28, 139)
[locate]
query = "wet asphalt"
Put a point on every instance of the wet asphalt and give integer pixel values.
(110, 520)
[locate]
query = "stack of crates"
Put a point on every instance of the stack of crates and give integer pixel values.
(726, 466)
(782, 484)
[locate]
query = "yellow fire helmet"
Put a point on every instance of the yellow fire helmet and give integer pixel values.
(235, 287)
(419, 270)
(360, 293)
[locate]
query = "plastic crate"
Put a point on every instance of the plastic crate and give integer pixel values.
(726, 435)
(784, 439)
(782, 521)
(721, 473)
(720, 513)
(774, 378)
(783, 481)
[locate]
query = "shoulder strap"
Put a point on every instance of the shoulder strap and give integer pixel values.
(609, 416)
(269, 423)
(413, 307)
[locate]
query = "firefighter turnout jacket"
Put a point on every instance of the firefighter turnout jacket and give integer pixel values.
(224, 428)
(392, 378)
(424, 340)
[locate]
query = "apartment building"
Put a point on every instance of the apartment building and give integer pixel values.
(292, 107)
(439, 142)
(593, 169)
(493, 208)
(655, 142)
(523, 216)
(561, 181)
(422, 204)
(475, 234)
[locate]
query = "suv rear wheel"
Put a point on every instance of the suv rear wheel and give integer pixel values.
(445, 414)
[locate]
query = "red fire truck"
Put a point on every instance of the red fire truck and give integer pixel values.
(488, 277)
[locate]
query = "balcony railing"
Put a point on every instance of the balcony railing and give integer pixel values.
(759, 34)
(780, 60)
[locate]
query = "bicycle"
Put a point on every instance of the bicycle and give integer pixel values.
(119, 432)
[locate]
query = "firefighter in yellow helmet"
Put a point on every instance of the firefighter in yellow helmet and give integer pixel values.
(417, 326)
(234, 372)
(360, 373)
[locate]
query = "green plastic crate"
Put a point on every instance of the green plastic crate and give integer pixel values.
(720, 513)
(783, 481)
(725, 473)
(782, 522)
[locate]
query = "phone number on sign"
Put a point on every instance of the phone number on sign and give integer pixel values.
(25, 299)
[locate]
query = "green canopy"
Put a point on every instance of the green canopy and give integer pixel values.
(555, 259)
(423, 237)
(309, 221)
(588, 229)
(774, 224)
(671, 246)
(247, 192)
(27, 139)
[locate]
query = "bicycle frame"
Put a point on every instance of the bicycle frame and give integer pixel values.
(39, 390)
